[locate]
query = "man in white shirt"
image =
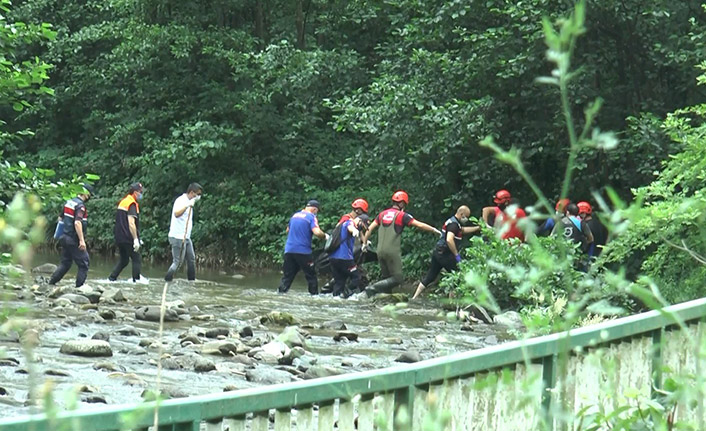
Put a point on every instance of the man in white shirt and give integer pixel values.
(180, 232)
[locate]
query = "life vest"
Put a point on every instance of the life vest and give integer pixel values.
(458, 237)
(71, 208)
(122, 225)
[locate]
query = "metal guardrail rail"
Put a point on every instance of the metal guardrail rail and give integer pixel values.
(353, 401)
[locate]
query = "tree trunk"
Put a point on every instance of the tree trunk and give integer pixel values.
(260, 23)
(301, 42)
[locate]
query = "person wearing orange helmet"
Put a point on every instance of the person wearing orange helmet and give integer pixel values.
(392, 222)
(573, 229)
(548, 226)
(600, 233)
(504, 216)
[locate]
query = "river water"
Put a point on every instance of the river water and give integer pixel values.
(235, 300)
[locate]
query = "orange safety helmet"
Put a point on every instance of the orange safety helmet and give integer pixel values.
(584, 207)
(400, 196)
(501, 197)
(561, 204)
(360, 204)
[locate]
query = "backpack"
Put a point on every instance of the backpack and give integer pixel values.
(334, 239)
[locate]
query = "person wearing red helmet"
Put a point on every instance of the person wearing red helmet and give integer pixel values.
(343, 264)
(600, 233)
(505, 216)
(572, 228)
(392, 222)
(548, 226)
(446, 254)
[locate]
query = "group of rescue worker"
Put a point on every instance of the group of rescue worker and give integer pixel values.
(346, 245)
(350, 240)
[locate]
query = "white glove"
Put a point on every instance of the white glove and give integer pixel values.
(355, 233)
(326, 236)
(366, 246)
(191, 202)
(141, 243)
(135, 244)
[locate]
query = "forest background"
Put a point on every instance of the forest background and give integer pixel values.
(270, 103)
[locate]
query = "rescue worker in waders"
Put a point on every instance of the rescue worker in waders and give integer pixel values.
(297, 250)
(127, 233)
(392, 222)
(446, 254)
(548, 226)
(599, 231)
(73, 238)
(504, 216)
(358, 213)
(343, 265)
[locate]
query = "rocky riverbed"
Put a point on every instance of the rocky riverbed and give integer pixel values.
(99, 344)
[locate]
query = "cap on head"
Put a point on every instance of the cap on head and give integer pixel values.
(360, 204)
(89, 188)
(400, 196)
(502, 197)
(584, 207)
(313, 203)
(561, 204)
(135, 187)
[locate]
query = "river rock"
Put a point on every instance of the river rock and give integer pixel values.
(203, 365)
(151, 314)
(292, 337)
(221, 347)
(89, 292)
(334, 325)
(87, 389)
(392, 340)
(275, 348)
(108, 366)
(89, 348)
(268, 376)
(215, 332)
(193, 339)
(318, 371)
(58, 291)
(94, 399)
(107, 314)
(56, 373)
(75, 298)
(348, 335)
(389, 298)
(30, 338)
(45, 268)
(409, 357)
(204, 317)
(246, 332)
(4, 392)
(101, 336)
(112, 295)
(128, 331)
(244, 359)
(9, 362)
(509, 319)
(491, 340)
(279, 318)
(289, 357)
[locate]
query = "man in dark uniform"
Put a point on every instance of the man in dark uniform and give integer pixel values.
(392, 222)
(73, 240)
(599, 231)
(127, 233)
(446, 254)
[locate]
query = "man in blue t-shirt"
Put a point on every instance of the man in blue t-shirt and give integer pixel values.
(297, 250)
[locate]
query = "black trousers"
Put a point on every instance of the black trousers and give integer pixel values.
(127, 253)
(343, 270)
(439, 261)
(69, 254)
(293, 262)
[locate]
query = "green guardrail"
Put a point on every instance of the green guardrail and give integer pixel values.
(401, 384)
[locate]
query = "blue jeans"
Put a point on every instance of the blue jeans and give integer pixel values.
(182, 249)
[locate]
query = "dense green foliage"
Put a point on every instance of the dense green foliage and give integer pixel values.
(269, 103)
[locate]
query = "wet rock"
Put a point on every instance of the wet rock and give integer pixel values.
(334, 325)
(87, 389)
(491, 340)
(30, 338)
(4, 392)
(128, 331)
(275, 348)
(348, 335)
(318, 371)
(409, 357)
(279, 318)
(268, 376)
(292, 337)
(146, 342)
(46, 268)
(175, 304)
(107, 314)
(94, 399)
(231, 388)
(9, 362)
(219, 348)
(246, 332)
(90, 348)
(509, 319)
(87, 307)
(244, 359)
(289, 357)
(202, 365)
(193, 339)
(101, 336)
(204, 317)
(56, 373)
(112, 296)
(466, 326)
(151, 314)
(75, 298)
(389, 298)
(392, 340)
(59, 291)
(215, 332)
(166, 393)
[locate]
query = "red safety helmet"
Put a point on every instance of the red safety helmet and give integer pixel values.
(584, 207)
(400, 196)
(360, 204)
(501, 197)
(561, 204)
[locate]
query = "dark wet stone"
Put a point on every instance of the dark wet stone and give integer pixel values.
(246, 332)
(128, 331)
(4, 392)
(204, 365)
(88, 348)
(108, 366)
(22, 371)
(75, 298)
(57, 373)
(348, 335)
(409, 357)
(9, 362)
(318, 371)
(244, 359)
(94, 399)
(216, 332)
(46, 268)
(167, 393)
(152, 313)
(230, 388)
(334, 325)
(392, 340)
(101, 336)
(112, 295)
(193, 339)
(279, 318)
(146, 342)
(389, 298)
(107, 314)
(467, 326)
(268, 376)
